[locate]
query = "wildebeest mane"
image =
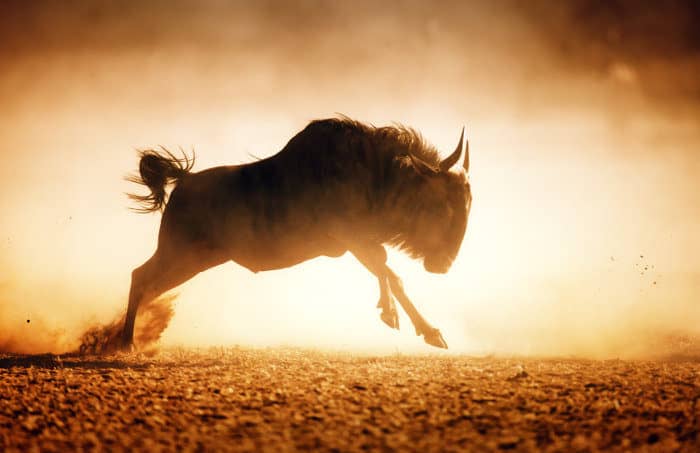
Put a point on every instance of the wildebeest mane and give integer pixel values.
(403, 140)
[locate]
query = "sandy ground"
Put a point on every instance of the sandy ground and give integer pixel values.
(286, 400)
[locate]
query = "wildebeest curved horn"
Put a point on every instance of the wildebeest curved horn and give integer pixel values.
(452, 159)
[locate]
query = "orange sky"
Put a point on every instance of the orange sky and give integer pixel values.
(584, 139)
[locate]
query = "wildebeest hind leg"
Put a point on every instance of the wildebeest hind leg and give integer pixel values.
(162, 272)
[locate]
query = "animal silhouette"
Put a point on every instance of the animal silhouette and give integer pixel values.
(337, 186)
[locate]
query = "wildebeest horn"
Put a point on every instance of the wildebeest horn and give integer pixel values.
(466, 156)
(452, 159)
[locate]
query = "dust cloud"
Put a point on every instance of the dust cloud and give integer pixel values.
(38, 335)
(154, 317)
(582, 119)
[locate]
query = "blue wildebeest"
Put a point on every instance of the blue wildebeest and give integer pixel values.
(337, 186)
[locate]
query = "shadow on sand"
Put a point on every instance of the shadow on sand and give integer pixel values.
(72, 360)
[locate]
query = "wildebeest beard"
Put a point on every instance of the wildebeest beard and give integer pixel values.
(337, 186)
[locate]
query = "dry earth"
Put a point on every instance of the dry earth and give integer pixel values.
(285, 400)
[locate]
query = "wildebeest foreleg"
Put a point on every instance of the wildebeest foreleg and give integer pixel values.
(374, 259)
(431, 335)
(386, 302)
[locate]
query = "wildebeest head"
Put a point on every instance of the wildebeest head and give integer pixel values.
(442, 204)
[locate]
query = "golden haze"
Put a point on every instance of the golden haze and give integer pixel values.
(583, 232)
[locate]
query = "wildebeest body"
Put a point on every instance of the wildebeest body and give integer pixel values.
(337, 186)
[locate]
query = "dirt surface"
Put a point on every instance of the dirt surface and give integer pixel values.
(285, 400)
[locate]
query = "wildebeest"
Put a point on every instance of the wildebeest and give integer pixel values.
(337, 186)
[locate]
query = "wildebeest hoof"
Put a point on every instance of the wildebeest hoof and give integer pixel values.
(390, 318)
(434, 338)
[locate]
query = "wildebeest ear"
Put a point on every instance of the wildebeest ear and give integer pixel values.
(422, 167)
(452, 159)
(466, 157)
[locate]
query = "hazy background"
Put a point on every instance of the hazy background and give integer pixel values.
(582, 118)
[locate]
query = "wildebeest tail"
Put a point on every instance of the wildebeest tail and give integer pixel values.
(157, 170)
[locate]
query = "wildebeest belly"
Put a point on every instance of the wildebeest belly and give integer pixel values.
(265, 255)
(251, 214)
